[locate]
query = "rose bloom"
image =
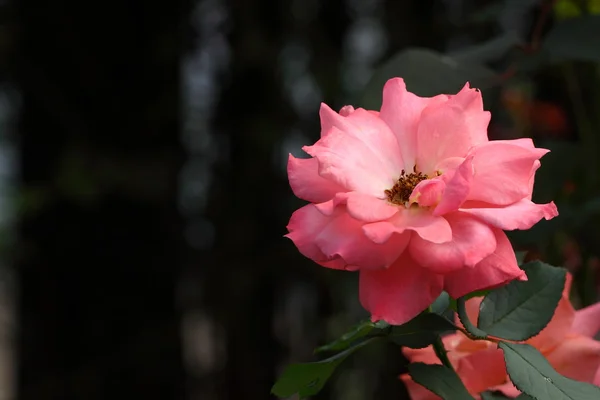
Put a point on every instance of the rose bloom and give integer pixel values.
(416, 198)
(566, 342)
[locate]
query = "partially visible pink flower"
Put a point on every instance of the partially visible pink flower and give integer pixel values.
(567, 343)
(416, 198)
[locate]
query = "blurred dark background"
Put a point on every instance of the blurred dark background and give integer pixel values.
(143, 192)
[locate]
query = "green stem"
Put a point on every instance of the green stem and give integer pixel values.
(474, 332)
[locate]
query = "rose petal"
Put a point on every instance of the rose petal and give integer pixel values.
(502, 172)
(343, 237)
(307, 184)
(479, 366)
(428, 193)
(472, 241)
(559, 326)
(373, 135)
(426, 355)
(450, 129)
(428, 227)
(343, 159)
(482, 369)
(471, 102)
(401, 111)
(520, 215)
(416, 391)
(457, 189)
(360, 206)
(597, 377)
(536, 166)
(508, 389)
(576, 357)
(496, 269)
(587, 321)
(304, 226)
(399, 293)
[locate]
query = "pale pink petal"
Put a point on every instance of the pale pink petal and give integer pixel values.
(497, 269)
(428, 227)
(373, 135)
(482, 369)
(457, 189)
(343, 237)
(449, 164)
(560, 324)
(536, 166)
(344, 160)
(526, 143)
(520, 215)
(378, 138)
(587, 321)
(428, 192)
(577, 357)
(472, 241)
(416, 391)
(360, 206)
(330, 119)
(399, 293)
(401, 111)
(331, 206)
(344, 112)
(304, 226)
(306, 182)
(471, 102)
(450, 129)
(502, 172)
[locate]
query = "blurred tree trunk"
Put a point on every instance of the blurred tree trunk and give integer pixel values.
(99, 235)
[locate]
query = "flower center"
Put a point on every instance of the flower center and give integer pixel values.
(403, 188)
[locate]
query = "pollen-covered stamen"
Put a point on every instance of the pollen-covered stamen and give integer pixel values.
(400, 193)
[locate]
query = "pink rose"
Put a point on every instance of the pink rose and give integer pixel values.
(566, 342)
(416, 198)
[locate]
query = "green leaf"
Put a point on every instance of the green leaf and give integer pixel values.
(441, 304)
(532, 374)
(426, 73)
(571, 39)
(513, 14)
(421, 331)
(308, 379)
(500, 396)
(440, 380)
(359, 331)
(490, 50)
(521, 309)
